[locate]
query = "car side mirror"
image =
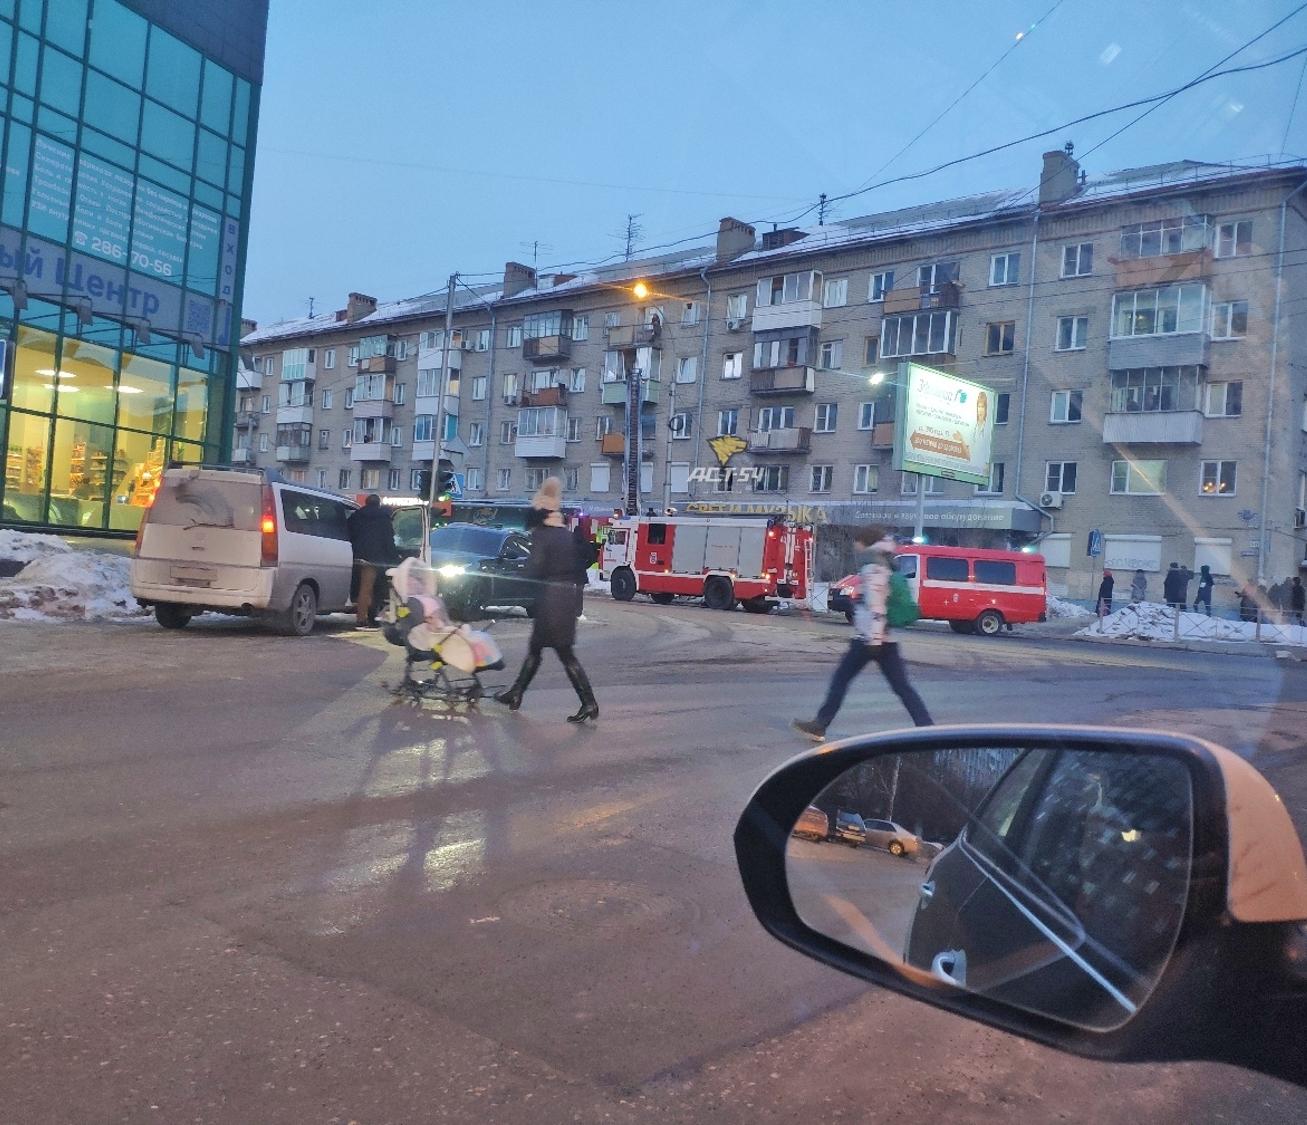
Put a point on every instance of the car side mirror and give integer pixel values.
(1117, 894)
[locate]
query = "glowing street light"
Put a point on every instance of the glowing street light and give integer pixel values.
(640, 290)
(876, 378)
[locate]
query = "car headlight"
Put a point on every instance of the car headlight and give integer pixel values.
(451, 570)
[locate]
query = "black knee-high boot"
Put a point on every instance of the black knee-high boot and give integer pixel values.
(589, 705)
(512, 698)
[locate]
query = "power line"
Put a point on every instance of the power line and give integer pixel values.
(1293, 108)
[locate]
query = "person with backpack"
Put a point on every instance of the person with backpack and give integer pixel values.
(885, 602)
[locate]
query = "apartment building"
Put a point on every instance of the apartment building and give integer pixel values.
(1141, 332)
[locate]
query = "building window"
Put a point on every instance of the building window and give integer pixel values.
(1155, 312)
(476, 434)
(538, 421)
(399, 394)
(1072, 331)
(580, 328)
(866, 479)
(822, 478)
(866, 415)
(428, 384)
(424, 427)
(510, 389)
(1078, 260)
(687, 369)
(1165, 236)
(1004, 269)
(994, 485)
(1138, 478)
(1229, 320)
(475, 479)
(503, 479)
(265, 404)
(871, 352)
(931, 277)
(1065, 406)
(825, 418)
(1000, 337)
(573, 429)
(349, 398)
(506, 433)
(392, 480)
(1217, 478)
(775, 418)
(347, 438)
(925, 333)
(263, 443)
(1060, 476)
(680, 425)
(785, 289)
(603, 427)
(576, 381)
(481, 341)
(1002, 404)
(535, 477)
(737, 306)
(514, 337)
(324, 439)
(908, 484)
(1224, 400)
(831, 355)
(612, 319)
(322, 478)
(571, 478)
(326, 400)
(773, 478)
(353, 359)
(732, 365)
(728, 421)
(329, 359)
(540, 326)
(342, 479)
(690, 313)
(790, 351)
(1234, 239)
(479, 388)
(835, 294)
(879, 285)
(1148, 389)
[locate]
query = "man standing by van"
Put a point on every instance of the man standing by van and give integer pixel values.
(372, 536)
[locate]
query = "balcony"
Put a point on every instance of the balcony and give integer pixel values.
(1170, 349)
(614, 445)
(1164, 269)
(294, 454)
(548, 447)
(371, 451)
(295, 414)
(549, 396)
(374, 408)
(783, 381)
(790, 314)
(542, 349)
(634, 336)
(377, 365)
(798, 439)
(433, 359)
(882, 435)
(614, 392)
(247, 420)
(946, 295)
(1154, 427)
(242, 456)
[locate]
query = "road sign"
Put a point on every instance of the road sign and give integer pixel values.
(1095, 546)
(460, 485)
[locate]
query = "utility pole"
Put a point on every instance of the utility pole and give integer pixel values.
(444, 387)
(633, 442)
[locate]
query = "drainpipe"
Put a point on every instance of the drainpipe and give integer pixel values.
(490, 403)
(1025, 367)
(1264, 539)
(703, 371)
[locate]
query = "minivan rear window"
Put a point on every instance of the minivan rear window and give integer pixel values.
(205, 502)
(946, 570)
(996, 573)
(306, 514)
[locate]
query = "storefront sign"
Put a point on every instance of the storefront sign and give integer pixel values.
(945, 425)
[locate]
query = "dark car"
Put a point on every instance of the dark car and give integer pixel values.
(480, 567)
(850, 828)
(844, 594)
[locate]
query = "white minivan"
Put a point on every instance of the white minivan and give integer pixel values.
(242, 541)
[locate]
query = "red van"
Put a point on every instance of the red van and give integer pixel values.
(973, 589)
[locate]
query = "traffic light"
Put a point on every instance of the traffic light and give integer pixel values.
(445, 486)
(424, 483)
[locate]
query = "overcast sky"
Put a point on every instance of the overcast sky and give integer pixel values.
(403, 139)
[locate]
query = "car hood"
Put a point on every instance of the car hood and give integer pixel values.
(469, 559)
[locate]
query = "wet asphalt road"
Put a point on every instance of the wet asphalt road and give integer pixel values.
(238, 885)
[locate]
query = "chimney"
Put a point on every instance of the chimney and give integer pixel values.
(518, 278)
(248, 326)
(775, 239)
(359, 306)
(733, 239)
(1060, 179)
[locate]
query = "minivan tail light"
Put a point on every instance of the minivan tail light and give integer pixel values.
(268, 528)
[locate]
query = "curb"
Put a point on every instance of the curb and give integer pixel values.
(1265, 650)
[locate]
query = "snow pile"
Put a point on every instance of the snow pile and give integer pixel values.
(594, 584)
(60, 584)
(1060, 607)
(1152, 622)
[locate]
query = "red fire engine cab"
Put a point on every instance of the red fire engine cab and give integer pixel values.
(723, 560)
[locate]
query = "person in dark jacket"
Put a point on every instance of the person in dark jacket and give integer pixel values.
(1105, 594)
(585, 559)
(372, 537)
(1297, 600)
(553, 566)
(1205, 584)
(1176, 586)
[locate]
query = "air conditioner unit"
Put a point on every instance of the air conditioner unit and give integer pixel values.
(734, 323)
(1300, 517)
(1050, 500)
(510, 400)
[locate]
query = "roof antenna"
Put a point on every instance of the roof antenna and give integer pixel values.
(310, 308)
(821, 210)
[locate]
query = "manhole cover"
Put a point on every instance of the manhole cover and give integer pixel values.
(592, 906)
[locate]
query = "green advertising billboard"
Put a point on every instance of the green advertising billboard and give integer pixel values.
(945, 425)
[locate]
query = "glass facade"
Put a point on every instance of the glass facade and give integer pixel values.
(126, 157)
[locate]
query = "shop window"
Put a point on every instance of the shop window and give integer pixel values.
(192, 404)
(34, 371)
(27, 455)
(138, 464)
(79, 474)
(86, 382)
(145, 394)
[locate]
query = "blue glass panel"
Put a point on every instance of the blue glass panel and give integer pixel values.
(205, 241)
(51, 193)
(7, 9)
(211, 161)
(61, 82)
(215, 105)
(29, 15)
(167, 135)
(236, 176)
(101, 145)
(164, 174)
(57, 125)
(173, 73)
(112, 108)
(240, 122)
(118, 41)
(210, 196)
(23, 109)
(234, 206)
(25, 65)
(65, 24)
(6, 45)
(15, 181)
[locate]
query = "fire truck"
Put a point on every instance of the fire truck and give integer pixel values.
(723, 560)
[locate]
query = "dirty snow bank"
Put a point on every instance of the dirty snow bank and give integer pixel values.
(1060, 607)
(1152, 622)
(60, 584)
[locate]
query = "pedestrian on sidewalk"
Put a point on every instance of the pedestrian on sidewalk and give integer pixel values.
(1176, 587)
(872, 641)
(1105, 594)
(372, 539)
(1205, 584)
(553, 568)
(1139, 588)
(1297, 600)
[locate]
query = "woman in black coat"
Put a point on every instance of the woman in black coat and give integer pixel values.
(553, 567)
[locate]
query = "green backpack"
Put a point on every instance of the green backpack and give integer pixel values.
(901, 610)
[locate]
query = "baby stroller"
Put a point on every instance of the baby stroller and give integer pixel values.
(451, 657)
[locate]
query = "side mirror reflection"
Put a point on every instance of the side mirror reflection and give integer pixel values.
(1050, 880)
